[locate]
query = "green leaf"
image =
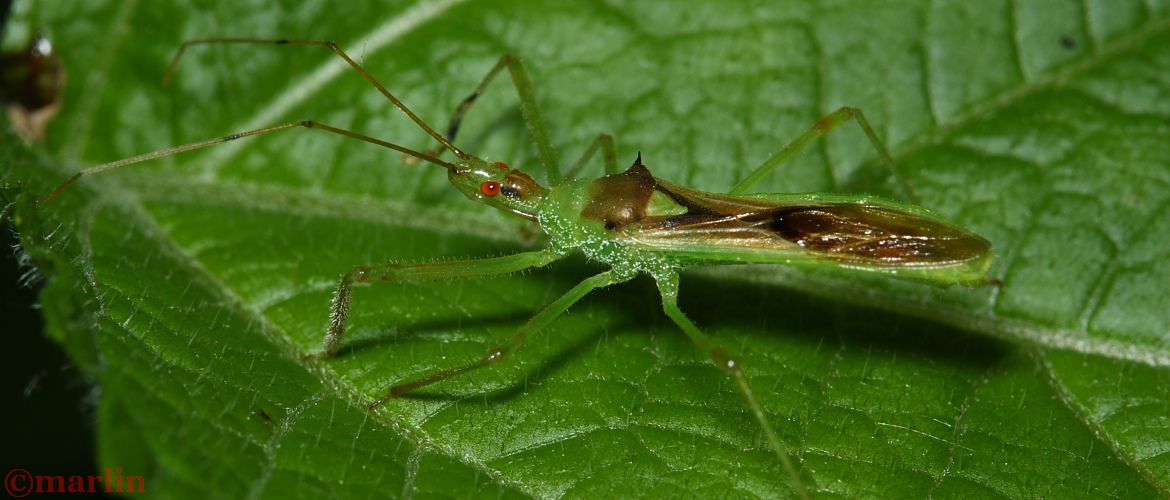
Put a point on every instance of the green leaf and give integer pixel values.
(190, 287)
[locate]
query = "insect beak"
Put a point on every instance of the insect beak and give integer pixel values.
(464, 183)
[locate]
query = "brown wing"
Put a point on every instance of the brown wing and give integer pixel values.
(686, 225)
(872, 232)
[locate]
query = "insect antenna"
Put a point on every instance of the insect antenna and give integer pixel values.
(228, 138)
(340, 53)
(431, 157)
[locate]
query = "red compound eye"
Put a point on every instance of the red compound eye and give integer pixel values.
(502, 165)
(490, 188)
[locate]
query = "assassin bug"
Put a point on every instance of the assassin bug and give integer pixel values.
(639, 224)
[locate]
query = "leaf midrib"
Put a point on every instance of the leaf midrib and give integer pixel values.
(311, 83)
(97, 82)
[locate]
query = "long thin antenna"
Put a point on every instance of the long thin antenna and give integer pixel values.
(340, 53)
(228, 138)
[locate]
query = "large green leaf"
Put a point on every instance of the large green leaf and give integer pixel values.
(190, 287)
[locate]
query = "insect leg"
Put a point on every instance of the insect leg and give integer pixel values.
(97, 169)
(608, 155)
(668, 286)
(819, 129)
(515, 342)
(342, 297)
(549, 155)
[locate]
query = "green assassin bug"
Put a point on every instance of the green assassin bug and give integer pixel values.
(639, 224)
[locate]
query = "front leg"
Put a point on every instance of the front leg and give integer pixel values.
(342, 297)
(515, 342)
(604, 142)
(537, 127)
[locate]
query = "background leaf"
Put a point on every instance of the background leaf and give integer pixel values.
(190, 287)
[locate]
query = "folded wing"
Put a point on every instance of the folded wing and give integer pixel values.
(869, 233)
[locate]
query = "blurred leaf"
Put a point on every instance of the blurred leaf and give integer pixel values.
(190, 287)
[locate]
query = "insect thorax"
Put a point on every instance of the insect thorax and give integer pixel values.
(590, 215)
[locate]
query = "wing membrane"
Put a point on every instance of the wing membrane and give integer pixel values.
(869, 233)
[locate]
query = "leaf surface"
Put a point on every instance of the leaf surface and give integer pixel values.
(190, 287)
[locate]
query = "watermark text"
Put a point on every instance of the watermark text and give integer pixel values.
(20, 483)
